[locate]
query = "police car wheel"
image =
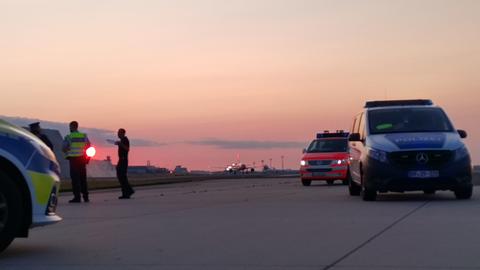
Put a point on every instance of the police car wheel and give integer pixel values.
(11, 211)
(464, 193)
(306, 182)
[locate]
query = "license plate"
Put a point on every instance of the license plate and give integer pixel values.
(423, 174)
(319, 174)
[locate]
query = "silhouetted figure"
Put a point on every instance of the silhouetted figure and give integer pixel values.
(122, 165)
(37, 131)
(74, 147)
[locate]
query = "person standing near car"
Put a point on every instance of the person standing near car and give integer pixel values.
(122, 165)
(74, 147)
(37, 131)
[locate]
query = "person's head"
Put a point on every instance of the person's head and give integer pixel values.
(35, 128)
(73, 126)
(121, 133)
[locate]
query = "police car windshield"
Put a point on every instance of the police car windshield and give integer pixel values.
(404, 120)
(328, 146)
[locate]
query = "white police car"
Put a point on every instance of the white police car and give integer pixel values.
(407, 145)
(29, 183)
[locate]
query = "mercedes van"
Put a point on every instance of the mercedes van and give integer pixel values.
(407, 145)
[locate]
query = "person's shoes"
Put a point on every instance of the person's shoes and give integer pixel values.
(131, 193)
(123, 197)
(75, 200)
(85, 199)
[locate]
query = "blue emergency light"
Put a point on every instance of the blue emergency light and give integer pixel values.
(408, 102)
(337, 134)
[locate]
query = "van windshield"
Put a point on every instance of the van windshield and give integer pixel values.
(328, 146)
(405, 120)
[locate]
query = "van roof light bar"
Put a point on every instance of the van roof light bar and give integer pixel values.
(407, 102)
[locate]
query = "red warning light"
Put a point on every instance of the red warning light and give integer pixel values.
(91, 152)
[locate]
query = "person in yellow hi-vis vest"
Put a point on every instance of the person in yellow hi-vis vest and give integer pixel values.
(74, 147)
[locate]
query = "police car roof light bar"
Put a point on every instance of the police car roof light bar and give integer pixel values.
(407, 102)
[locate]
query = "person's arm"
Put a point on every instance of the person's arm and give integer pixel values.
(66, 145)
(125, 144)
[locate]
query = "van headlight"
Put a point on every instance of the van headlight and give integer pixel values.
(461, 153)
(378, 155)
(303, 163)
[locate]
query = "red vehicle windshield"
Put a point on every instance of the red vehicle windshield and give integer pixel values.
(328, 146)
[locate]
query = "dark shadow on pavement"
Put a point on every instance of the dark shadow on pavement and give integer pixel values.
(26, 250)
(419, 196)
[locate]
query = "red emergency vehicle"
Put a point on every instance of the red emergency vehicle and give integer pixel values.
(326, 158)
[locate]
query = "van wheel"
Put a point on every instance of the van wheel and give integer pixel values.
(429, 192)
(330, 182)
(464, 193)
(11, 211)
(368, 194)
(306, 182)
(353, 188)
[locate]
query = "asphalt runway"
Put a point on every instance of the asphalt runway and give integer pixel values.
(255, 224)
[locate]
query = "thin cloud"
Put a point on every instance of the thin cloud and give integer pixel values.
(146, 143)
(250, 144)
(97, 136)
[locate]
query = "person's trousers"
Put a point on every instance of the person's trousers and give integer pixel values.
(78, 174)
(122, 168)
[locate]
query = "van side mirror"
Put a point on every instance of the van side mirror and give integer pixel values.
(354, 137)
(463, 134)
(304, 151)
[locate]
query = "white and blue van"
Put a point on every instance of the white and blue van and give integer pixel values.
(407, 145)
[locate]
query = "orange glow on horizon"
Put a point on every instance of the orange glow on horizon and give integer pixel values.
(235, 70)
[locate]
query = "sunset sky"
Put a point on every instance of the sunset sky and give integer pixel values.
(209, 80)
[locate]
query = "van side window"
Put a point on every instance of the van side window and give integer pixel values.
(356, 124)
(362, 127)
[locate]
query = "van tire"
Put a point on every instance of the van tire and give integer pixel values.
(464, 193)
(11, 210)
(429, 191)
(306, 183)
(353, 188)
(368, 194)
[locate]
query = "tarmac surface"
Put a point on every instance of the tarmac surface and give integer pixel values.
(255, 224)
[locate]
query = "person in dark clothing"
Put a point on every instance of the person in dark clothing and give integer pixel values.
(122, 165)
(37, 131)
